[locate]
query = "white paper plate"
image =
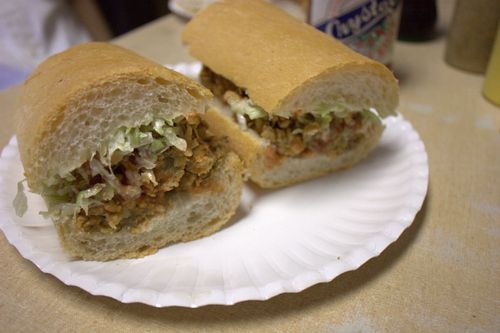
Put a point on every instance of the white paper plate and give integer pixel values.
(280, 241)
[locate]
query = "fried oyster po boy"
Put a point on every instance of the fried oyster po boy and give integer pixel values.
(295, 103)
(116, 146)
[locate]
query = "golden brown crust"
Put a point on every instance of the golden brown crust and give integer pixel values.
(271, 54)
(63, 78)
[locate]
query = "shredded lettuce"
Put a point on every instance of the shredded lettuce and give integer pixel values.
(369, 115)
(107, 193)
(83, 198)
(170, 138)
(20, 201)
(324, 112)
(64, 198)
(126, 140)
(118, 143)
(157, 146)
(247, 107)
(150, 140)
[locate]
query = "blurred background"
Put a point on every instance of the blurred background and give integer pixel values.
(32, 30)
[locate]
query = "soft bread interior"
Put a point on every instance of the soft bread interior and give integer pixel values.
(190, 215)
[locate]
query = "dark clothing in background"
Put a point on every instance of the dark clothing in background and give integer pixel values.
(125, 15)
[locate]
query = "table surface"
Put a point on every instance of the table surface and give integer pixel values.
(442, 274)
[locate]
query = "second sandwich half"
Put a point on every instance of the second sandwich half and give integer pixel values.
(294, 103)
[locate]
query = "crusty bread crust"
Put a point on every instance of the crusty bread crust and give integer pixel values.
(269, 170)
(66, 79)
(285, 66)
(277, 58)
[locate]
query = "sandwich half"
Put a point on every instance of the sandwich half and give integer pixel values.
(116, 146)
(294, 103)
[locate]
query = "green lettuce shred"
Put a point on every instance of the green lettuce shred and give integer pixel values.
(126, 140)
(20, 202)
(324, 112)
(83, 198)
(247, 107)
(170, 138)
(63, 198)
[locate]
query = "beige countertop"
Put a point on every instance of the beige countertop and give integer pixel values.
(441, 275)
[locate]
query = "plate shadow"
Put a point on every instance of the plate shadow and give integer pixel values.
(285, 304)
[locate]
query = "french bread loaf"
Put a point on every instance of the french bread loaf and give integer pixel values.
(280, 71)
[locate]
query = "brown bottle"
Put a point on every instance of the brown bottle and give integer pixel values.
(418, 20)
(471, 35)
